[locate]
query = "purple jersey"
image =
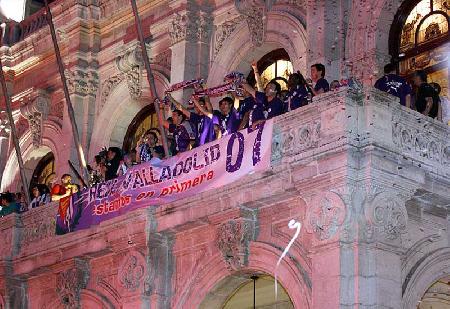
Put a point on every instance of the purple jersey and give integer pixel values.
(181, 136)
(203, 128)
(322, 83)
(228, 124)
(271, 109)
(395, 85)
(297, 97)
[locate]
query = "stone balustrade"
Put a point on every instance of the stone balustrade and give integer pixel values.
(353, 167)
(338, 121)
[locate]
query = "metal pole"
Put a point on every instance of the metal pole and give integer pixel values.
(254, 278)
(23, 177)
(76, 137)
(150, 78)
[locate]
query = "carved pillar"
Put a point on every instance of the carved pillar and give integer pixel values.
(190, 34)
(70, 282)
(82, 83)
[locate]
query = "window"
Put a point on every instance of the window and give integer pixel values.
(44, 171)
(146, 119)
(275, 65)
(419, 39)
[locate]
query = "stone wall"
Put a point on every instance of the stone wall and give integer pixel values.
(367, 178)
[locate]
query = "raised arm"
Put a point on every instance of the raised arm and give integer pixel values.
(180, 106)
(257, 77)
(202, 109)
(249, 89)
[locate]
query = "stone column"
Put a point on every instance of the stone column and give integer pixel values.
(190, 34)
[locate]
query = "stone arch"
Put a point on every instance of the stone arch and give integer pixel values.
(212, 274)
(423, 274)
(119, 110)
(278, 23)
(51, 137)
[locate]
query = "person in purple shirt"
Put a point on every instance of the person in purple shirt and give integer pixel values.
(246, 104)
(320, 84)
(178, 129)
(298, 92)
(395, 85)
(226, 119)
(268, 104)
(201, 123)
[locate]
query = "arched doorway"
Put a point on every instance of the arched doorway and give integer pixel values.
(419, 40)
(145, 119)
(242, 291)
(437, 296)
(44, 173)
(275, 65)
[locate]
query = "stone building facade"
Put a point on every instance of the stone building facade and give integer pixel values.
(368, 178)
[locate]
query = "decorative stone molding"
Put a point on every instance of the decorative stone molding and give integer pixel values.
(57, 110)
(132, 271)
(69, 284)
(233, 239)
(22, 126)
(422, 141)
(163, 59)
(254, 12)
(108, 86)
(223, 32)
(387, 213)
(76, 82)
(184, 27)
(326, 214)
(130, 64)
(36, 111)
(204, 27)
(295, 139)
(5, 128)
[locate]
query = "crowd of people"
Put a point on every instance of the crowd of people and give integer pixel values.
(196, 123)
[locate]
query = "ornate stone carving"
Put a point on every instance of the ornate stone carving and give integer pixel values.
(38, 232)
(163, 59)
(223, 32)
(326, 213)
(132, 271)
(130, 64)
(76, 82)
(5, 128)
(204, 27)
(296, 139)
(36, 111)
(22, 126)
(233, 238)
(421, 141)
(254, 12)
(184, 27)
(57, 110)
(108, 87)
(387, 213)
(69, 284)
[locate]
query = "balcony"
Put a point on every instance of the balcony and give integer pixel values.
(342, 141)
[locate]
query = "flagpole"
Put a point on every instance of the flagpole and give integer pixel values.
(150, 78)
(70, 111)
(14, 134)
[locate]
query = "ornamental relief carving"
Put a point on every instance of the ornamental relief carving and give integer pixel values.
(426, 144)
(387, 213)
(223, 32)
(108, 86)
(325, 215)
(38, 232)
(132, 272)
(296, 139)
(36, 111)
(130, 65)
(69, 284)
(5, 128)
(233, 239)
(183, 27)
